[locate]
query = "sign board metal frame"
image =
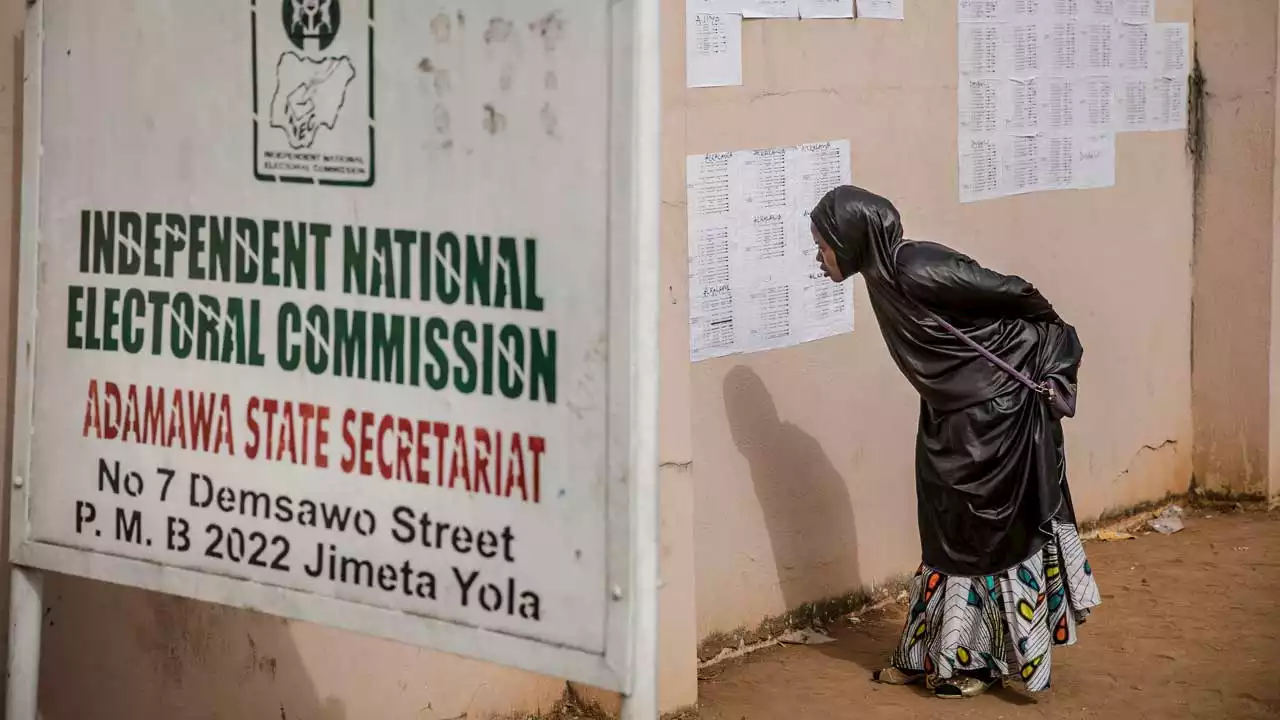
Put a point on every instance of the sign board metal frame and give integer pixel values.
(628, 664)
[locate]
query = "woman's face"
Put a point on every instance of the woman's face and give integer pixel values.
(826, 257)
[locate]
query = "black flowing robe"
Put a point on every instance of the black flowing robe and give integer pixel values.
(990, 467)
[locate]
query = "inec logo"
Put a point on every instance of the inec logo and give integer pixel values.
(317, 20)
(313, 91)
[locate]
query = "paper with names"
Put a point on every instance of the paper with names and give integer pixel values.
(1152, 88)
(1136, 11)
(754, 282)
(1045, 84)
(713, 47)
(711, 224)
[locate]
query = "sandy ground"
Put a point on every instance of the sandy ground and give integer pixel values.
(1187, 629)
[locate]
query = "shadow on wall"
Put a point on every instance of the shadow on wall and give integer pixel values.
(805, 502)
(117, 653)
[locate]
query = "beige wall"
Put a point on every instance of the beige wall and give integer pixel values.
(802, 458)
(786, 475)
(1235, 247)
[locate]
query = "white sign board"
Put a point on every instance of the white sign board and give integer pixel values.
(332, 315)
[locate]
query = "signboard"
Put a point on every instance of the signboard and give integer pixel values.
(330, 311)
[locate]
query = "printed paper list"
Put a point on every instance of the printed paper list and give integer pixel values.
(1043, 84)
(754, 282)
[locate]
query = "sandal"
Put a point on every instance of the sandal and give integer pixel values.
(961, 687)
(894, 676)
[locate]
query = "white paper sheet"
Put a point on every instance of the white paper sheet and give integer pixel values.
(815, 169)
(713, 52)
(1095, 160)
(1098, 9)
(1060, 40)
(1057, 103)
(711, 224)
(881, 9)
(1065, 8)
(754, 282)
(1022, 167)
(1173, 49)
(1044, 85)
(979, 10)
(1131, 111)
(709, 186)
(1139, 11)
(1135, 41)
(826, 9)
(770, 8)
(1019, 105)
(1097, 47)
(712, 328)
(825, 309)
(980, 49)
(1023, 10)
(1167, 103)
(980, 168)
(982, 108)
(1020, 53)
(1095, 103)
(1058, 161)
(762, 182)
(765, 313)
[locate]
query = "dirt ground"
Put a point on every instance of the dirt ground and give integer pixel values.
(1187, 629)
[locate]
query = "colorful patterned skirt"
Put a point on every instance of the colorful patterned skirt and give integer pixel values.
(1003, 625)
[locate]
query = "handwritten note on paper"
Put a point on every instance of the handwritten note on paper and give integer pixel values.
(713, 52)
(1095, 160)
(826, 9)
(752, 280)
(881, 9)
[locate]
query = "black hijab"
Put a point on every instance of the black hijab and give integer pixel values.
(988, 478)
(861, 227)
